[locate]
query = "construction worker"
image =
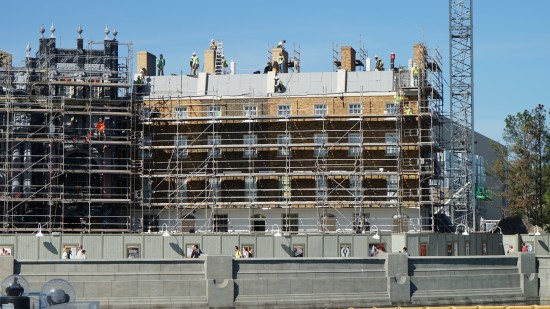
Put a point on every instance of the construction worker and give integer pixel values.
(379, 64)
(194, 63)
(281, 61)
(224, 64)
(268, 67)
(415, 72)
(213, 45)
(160, 65)
(408, 110)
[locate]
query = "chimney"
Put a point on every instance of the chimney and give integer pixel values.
(148, 61)
(420, 52)
(275, 57)
(347, 55)
(210, 61)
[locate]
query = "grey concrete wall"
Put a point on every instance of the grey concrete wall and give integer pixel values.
(155, 246)
(223, 282)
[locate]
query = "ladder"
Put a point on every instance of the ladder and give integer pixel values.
(219, 69)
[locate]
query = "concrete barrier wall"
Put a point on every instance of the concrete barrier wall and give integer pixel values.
(223, 282)
(155, 246)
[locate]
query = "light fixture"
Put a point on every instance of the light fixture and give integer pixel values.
(165, 233)
(376, 236)
(537, 233)
(39, 233)
(278, 233)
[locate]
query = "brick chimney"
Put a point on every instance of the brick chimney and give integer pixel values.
(275, 57)
(347, 58)
(148, 61)
(210, 61)
(420, 52)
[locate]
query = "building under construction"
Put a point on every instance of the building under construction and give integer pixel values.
(297, 152)
(87, 148)
(66, 130)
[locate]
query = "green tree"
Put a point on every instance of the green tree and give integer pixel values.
(522, 166)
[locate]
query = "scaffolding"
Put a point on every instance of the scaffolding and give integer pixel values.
(66, 127)
(322, 163)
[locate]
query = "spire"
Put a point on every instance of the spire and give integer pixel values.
(115, 32)
(107, 33)
(28, 49)
(52, 30)
(79, 31)
(42, 30)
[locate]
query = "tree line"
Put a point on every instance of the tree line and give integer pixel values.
(523, 168)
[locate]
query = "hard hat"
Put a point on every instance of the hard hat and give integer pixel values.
(223, 55)
(194, 54)
(375, 56)
(276, 77)
(211, 40)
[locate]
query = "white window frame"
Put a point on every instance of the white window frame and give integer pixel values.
(180, 112)
(320, 110)
(355, 109)
(214, 111)
(180, 146)
(283, 110)
(251, 111)
(354, 138)
(249, 142)
(215, 140)
(392, 108)
(322, 139)
(391, 138)
(284, 141)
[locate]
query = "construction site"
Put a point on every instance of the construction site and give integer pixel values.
(90, 146)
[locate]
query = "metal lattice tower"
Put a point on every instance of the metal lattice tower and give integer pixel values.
(462, 113)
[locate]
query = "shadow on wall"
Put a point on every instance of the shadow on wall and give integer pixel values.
(50, 247)
(177, 248)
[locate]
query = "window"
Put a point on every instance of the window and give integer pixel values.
(147, 190)
(320, 110)
(289, 222)
(250, 111)
(480, 170)
(391, 150)
(180, 112)
(284, 141)
(220, 223)
(180, 146)
(146, 113)
(258, 223)
(356, 186)
(214, 141)
(321, 185)
(391, 108)
(249, 142)
(214, 111)
(392, 185)
(181, 190)
(320, 139)
(250, 188)
(355, 109)
(284, 184)
(215, 186)
(328, 223)
(283, 110)
(354, 138)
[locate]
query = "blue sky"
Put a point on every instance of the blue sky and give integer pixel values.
(511, 38)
